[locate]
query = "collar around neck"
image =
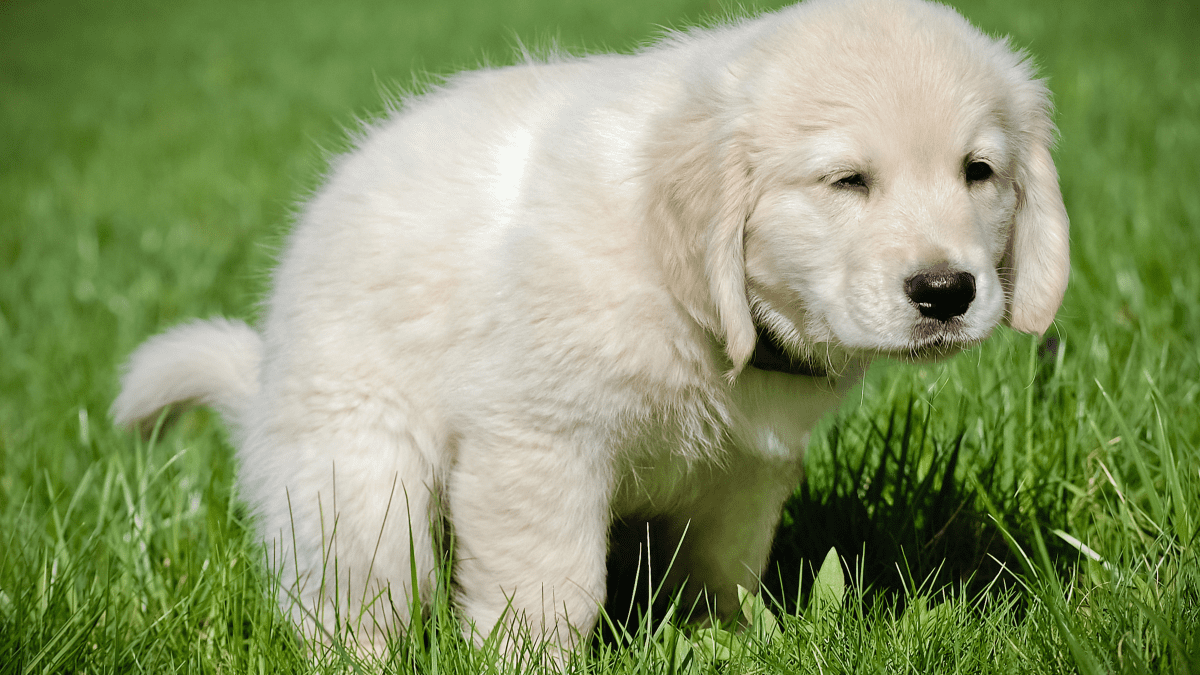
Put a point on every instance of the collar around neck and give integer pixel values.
(770, 355)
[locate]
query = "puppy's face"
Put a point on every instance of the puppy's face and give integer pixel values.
(888, 194)
(888, 235)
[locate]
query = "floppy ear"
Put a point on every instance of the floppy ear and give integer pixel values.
(1038, 260)
(726, 260)
(700, 193)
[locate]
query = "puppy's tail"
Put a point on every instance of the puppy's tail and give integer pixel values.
(213, 362)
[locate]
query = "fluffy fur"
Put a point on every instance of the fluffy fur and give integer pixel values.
(529, 303)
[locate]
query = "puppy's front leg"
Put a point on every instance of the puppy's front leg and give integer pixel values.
(725, 537)
(530, 513)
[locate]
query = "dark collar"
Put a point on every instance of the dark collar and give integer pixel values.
(770, 355)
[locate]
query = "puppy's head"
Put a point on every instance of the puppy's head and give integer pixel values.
(887, 187)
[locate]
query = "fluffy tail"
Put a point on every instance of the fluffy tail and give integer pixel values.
(213, 362)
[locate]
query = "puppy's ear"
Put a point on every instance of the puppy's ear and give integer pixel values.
(726, 260)
(700, 192)
(1038, 260)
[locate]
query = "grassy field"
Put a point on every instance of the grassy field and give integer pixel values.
(1027, 507)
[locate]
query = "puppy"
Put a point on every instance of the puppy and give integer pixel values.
(551, 297)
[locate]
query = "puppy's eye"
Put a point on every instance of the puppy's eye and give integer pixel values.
(852, 182)
(978, 171)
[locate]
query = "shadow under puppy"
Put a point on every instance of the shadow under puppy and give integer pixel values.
(549, 297)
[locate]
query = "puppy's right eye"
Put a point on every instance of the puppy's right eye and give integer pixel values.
(855, 181)
(977, 171)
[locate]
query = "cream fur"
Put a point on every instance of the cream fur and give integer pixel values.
(526, 303)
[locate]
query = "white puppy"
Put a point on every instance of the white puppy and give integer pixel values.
(549, 297)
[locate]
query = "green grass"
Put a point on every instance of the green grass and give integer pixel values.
(1018, 509)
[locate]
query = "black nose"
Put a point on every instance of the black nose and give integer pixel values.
(940, 293)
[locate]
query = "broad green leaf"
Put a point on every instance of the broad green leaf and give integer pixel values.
(674, 648)
(717, 644)
(760, 619)
(829, 587)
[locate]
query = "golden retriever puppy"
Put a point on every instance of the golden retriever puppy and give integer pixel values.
(550, 297)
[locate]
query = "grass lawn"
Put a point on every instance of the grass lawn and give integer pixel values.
(1027, 507)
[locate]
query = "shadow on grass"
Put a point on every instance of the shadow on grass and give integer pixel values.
(900, 516)
(901, 506)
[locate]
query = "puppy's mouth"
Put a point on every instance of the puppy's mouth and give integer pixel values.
(934, 339)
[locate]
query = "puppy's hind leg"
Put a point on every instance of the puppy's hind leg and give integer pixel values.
(531, 516)
(350, 507)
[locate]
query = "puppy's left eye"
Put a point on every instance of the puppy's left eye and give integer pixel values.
(978, 172)
(852, 182)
